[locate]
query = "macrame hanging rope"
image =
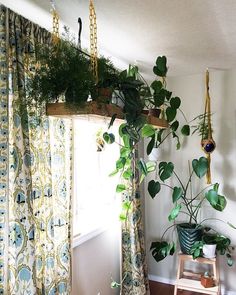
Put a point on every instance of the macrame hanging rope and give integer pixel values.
(55, 23)
(93, 39)
(207, 142)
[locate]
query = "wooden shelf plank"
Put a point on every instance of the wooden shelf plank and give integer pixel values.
(93, 108)
(195, 286)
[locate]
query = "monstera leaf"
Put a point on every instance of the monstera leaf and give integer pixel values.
(217, 201)
(165, 170)
(161, 249)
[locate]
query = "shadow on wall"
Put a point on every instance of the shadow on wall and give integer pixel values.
(227, 135)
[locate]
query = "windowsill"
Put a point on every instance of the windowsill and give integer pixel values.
(82, 238)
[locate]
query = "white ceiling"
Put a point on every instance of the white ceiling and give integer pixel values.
(193, 34)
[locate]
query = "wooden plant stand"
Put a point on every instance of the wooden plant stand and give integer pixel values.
(188, 280)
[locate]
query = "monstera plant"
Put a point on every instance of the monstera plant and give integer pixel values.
(186, 204)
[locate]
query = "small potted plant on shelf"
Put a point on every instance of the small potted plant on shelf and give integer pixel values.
(186, 203)
(207, 281)
(108, 76)
(213, 242)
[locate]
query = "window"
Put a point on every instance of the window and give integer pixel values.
(95, 205)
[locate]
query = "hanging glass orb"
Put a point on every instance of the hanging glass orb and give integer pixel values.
(208, 145)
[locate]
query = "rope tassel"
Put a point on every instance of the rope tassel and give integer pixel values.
(208, 144)
(208, 175)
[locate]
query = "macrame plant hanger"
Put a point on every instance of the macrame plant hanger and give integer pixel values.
(55, 23)
(207, 142)
(93, 40)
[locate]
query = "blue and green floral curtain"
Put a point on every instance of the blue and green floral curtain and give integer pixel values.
(35, 175)
(134, 266)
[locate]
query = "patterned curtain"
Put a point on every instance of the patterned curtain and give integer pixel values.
(35, 175)
(134, 266)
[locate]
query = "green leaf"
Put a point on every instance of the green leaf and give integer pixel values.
(122, 217)
(122, 130)
(109, 137)
(174, 212)
(216, 187)
(127, 174)
(200, 166)
(159, 98)
(112, 120)
(175, 102)
(141, 178)
(114, 172)
(170, 114)
(126, 205)
(174, 126)
(148, 130)
(142, 166)
(151, 144)
(165, 170)
(125, 152)
(159, 135)
(115, 285)
(120, 188)
(126, 140)
(177, 193)
(217, 201)
(230, 261)
(161, 249)
(151, 166)
(168, 94)
(178, 145)
(185, 130)
(153, 188)
(156, 86)
(120, 163)
(161, 68)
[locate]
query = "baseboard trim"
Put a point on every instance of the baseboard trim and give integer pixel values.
(172, 282)
(161, 279)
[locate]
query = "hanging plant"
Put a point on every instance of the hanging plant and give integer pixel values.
(62, 72)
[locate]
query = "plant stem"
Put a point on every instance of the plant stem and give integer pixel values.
(183, 115)
(185, 192)
(179, 181)
(167, 230)
(163, 139)
(167, 186)
(200, 193)
(212, 219)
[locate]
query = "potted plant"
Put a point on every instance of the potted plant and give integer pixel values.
(186, 203)
(108, 76)
(63, 71)
(213, 242)
(206, 280)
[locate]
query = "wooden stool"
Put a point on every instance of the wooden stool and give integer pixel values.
(185, 281)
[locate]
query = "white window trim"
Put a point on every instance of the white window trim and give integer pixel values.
(82, 238)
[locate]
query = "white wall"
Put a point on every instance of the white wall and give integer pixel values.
(94, 262)
(191, 89)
